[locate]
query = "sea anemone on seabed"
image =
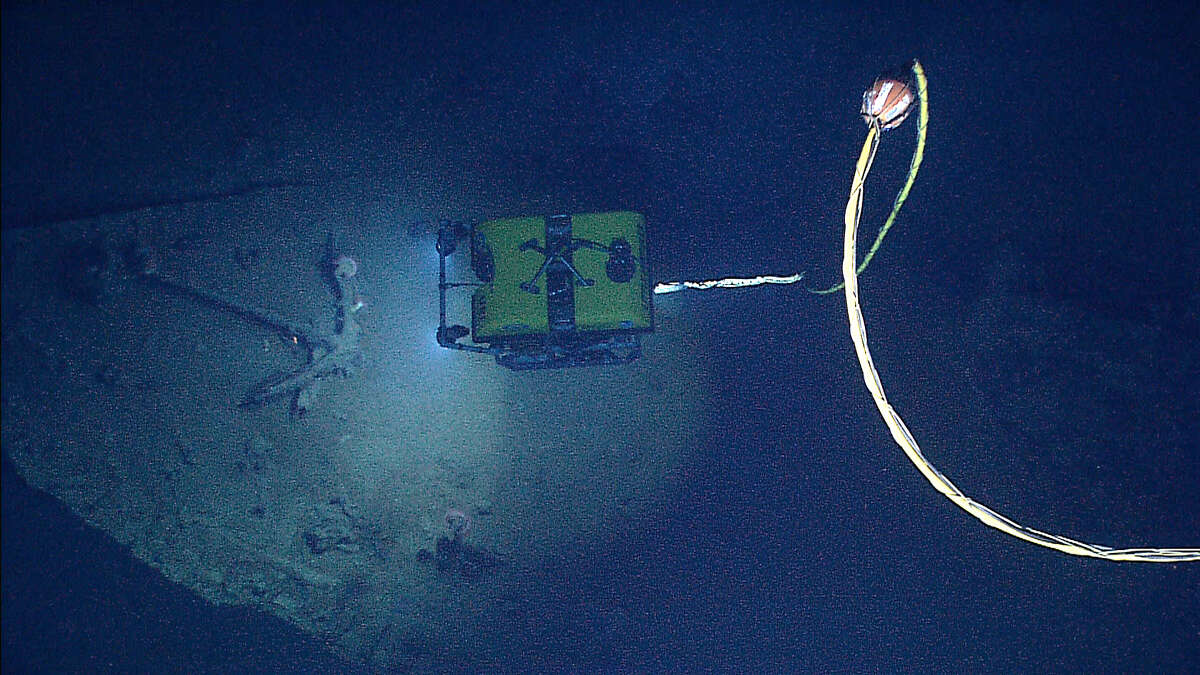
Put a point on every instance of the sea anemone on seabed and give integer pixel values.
(344, 267)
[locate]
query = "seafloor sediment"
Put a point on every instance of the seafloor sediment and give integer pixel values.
(123, 398)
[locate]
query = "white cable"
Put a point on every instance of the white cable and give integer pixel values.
(731, 282)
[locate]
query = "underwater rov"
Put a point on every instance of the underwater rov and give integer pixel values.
(551, 291)
(560, 291)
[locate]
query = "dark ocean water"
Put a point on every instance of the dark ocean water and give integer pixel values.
(1061, 151)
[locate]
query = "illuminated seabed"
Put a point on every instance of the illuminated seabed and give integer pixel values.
(144, 438)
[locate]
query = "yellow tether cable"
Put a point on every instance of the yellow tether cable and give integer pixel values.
(900, 432)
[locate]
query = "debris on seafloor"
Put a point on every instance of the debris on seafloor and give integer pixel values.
(87, 270)
(454, 555)
(333, 353)
(333, 528)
